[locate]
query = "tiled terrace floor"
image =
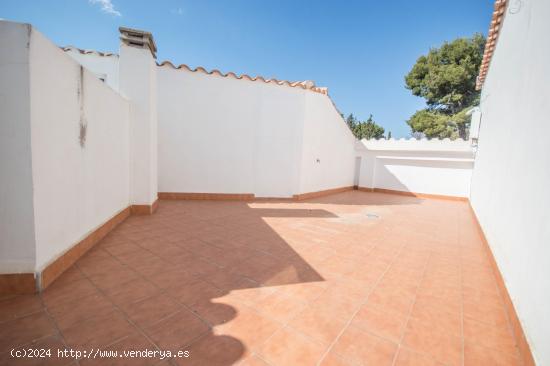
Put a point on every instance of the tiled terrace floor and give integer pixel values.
(266, 283)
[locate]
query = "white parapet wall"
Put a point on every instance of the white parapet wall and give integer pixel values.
(17, 248)
(104, 65)
(510, 183)
(434, 167)
(220, 134)
(65, 151)
(327, 147)
(80, 150)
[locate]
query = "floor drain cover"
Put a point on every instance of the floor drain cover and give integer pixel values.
(372, 216)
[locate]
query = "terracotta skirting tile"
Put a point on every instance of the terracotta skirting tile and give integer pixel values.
(17, 283)
(144, 209)
(65, 261)
(206, 196)
(413, 194)
(521, 340)
(247, 196)
(326, 192)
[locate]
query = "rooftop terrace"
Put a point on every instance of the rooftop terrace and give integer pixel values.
(354, 278)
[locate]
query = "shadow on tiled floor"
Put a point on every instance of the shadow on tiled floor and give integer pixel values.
(350, 279)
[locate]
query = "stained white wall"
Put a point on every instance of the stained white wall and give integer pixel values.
(221, 135)
(76, 188)
(17, 245)
(441, 167)
(328, 148)
(105, 67)
(511, 179)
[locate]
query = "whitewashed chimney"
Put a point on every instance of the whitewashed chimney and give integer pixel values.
(138, 83)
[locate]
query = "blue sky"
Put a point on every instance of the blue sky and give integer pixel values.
(360, 50)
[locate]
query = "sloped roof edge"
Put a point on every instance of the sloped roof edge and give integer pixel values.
(307, 84)
(492, 38)
(87, 52)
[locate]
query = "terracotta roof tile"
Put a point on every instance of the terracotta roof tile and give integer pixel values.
(308, 85)
(86, 52)
(492, 38)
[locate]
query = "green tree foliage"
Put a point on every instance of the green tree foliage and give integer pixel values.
(364, 130)
(446, 78)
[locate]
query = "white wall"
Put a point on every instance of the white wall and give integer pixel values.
(76, 188)
(104, 66)
(441, 167)
(17, 244)
(138, 82)
(511, 179)
(328, 149)
(222, 135)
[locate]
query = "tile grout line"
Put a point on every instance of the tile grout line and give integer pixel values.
(162, 291)
(119, 310)
(359, 308)
(409, 315)
(460, 248)
(52, 320)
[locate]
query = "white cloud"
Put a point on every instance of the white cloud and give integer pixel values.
(178, 11)
(106, 7)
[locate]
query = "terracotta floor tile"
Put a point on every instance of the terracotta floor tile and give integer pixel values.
(60, 292)
(361, 347)
(177, 330)
(19, 306)
(151, 266)
(107, 281)
(253, 295)
(24, 330)
(383, 323)
(122, 248)
(406, 357)
(151, 310)
(251, 328)
(52, 344)
(477, 355)
(215, 350)
(130, 292)
(96, 266)
(214, 312)
(482, 334)
(442, 318)
(172, 278)
(98, 331)
(288, 347)
(338, 305)
(245, 268)
(332, 359)
(134, 342)
(443, 347)
(253, 360)
(486, 312)
(279, 306)
(395, 299)
(69, 313)
(193, 292)
(304, 292)
(318, 324)
(226, 280)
